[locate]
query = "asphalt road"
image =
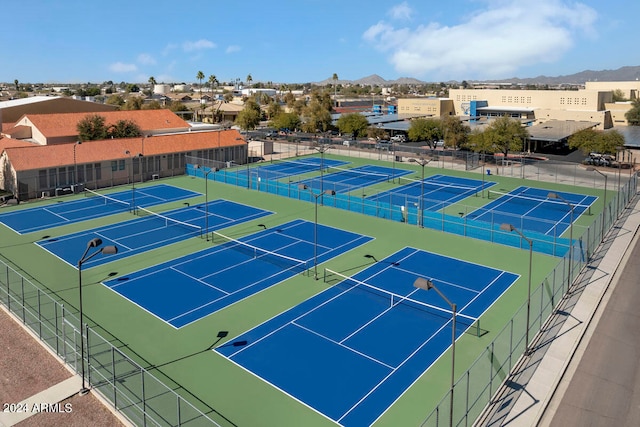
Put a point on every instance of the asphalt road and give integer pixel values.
(605, 388)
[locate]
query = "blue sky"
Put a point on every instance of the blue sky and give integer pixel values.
(308, 40)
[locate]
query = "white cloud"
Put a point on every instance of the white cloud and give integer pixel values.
(146, 59)
(492, 42)
(401, 11)
(233, 49)
(190, 46)
(121, 67)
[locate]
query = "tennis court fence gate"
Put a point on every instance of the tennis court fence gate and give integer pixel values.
(140, 396)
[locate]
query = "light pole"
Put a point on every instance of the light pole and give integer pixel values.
(559, 197)
(604, 209)
(510, 228)
(425, 284)
(75, 163)
(422, 162)
(315, 226)
(133, 183)
(322, 149)
(206, 199)
(107, 250)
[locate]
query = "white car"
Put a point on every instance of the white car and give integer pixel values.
(398, 138)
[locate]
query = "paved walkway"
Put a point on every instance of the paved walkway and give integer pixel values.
(45, 401)
(528, 394)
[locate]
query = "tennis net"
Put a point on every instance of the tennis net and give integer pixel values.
(283, 261)
(349, 284)
(431, 185)
(169, 222)
(358, 173)
(101, 198)
(523, 198)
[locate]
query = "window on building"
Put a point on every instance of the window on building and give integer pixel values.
(42, 178)
(89, 171)
(53, 181)
(98, 167)
(114, 165)
(121, 165)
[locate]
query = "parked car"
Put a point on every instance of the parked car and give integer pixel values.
(383, 144)
(399, 138)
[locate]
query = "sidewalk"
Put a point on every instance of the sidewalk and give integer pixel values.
(527, 393)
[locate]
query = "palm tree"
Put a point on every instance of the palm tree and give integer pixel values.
(152, 82)
(249, 80)
(335, 88)
(213, 81)
(200, 77)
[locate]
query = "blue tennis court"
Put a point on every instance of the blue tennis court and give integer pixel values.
(531, 209)
(345, 180)
(188, 288)
(296, 167)
(352, 350)
(150, 231)
(438, 191)
(90, 207)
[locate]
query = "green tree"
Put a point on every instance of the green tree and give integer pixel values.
(478, 142)
(316, 115)
(455, 132)
(153, 105)
(92, 128)
(633, 115)
(618, 95)
(124, 129)
(597, 141)
(133, 103)
(286, 121)
(250, 115)
(506, 135)
(249, 80)
(132, 87)
(425, 130)
(355, 124)
(273, 110)
(16, 84)
(177, 106)
(115, 100)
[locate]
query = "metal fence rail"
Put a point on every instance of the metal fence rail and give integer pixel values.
(137, 394)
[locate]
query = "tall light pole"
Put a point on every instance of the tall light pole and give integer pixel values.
(322, 149)
(422, 162)
(107, 250)
(604, 209)
(559, 197)
(133, 180)
(510, 228)
(425, 284)
(75, 163)
(315, 225)
(206, 199)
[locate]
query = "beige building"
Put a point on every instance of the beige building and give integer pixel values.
(425, 107)
(537, 105)
(630, 90)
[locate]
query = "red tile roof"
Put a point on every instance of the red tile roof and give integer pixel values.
(65, 124)
(47, 156)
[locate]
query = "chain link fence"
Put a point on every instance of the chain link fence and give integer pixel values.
(137, 394)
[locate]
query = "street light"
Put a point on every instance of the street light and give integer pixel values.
(315, 226)
(510, 228)
(133, 184)
(559, 197)
(425, 284)
(206, 199)
(107, 250)
(422, 162)
(75, 163)
(604, 209)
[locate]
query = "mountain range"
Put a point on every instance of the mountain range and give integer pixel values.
(626, 73)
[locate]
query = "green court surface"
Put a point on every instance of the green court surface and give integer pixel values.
(226, 392)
